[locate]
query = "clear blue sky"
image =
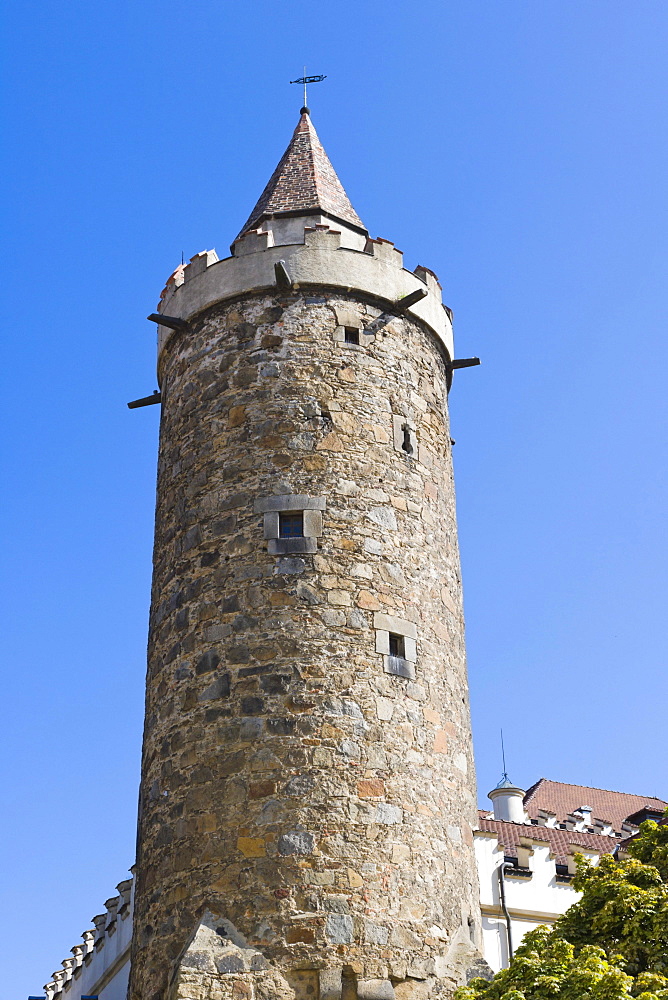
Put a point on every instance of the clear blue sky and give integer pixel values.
(519, 149)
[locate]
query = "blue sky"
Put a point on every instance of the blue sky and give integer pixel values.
(519, 150)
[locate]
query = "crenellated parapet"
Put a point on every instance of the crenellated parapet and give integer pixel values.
(104, 952)
(319, 259)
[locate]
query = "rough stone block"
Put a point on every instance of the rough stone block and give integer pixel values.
(375, 989)
(219, 688)
(370, 788)
(347, 315)
(329, 984)
(389, 814)
(296, 842)
(398, 666)
(375, 933)
(291, 546)
(271, 524)
(251, 847)
(339, 928)
(391, 623)
(410, 649)
(384, 517)
(384, 708)
(289, 502)
(289, 567)
(402, 937)
(382, 641)
(401, 853)
(312, 523)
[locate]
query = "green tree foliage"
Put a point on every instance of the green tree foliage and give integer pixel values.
(651, 846)
(611, 944)
(623, 910)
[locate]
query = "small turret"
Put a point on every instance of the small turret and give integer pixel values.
(508, 801)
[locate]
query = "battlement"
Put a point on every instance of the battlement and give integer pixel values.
(320, 258)
(385, 250)
(103, 955)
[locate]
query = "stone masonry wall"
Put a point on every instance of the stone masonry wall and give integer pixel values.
(320, 806)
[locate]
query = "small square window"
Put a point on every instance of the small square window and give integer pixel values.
(397, 646)
(291, 525)
(352, 335)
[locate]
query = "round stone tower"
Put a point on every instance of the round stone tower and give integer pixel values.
(307, 794)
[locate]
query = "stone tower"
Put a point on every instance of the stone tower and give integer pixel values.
(307, 793)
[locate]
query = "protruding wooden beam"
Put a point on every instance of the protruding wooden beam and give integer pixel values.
(146, 400)
(283, 279)
(463, 363)
(409, 300)
(173, 322)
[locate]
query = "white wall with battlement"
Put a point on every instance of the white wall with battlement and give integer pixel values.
(319, 258)
(100, 963)
(290, 229)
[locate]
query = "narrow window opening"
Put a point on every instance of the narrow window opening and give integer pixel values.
(397, 646)
(407, 444)
(352, 335)
(291, 525)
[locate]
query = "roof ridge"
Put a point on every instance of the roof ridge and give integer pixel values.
(594, 788)
(557, 829)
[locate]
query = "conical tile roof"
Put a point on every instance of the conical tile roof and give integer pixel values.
(304, 182)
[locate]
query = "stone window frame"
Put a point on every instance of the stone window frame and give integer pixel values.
(348, 319)
(400, 425)
(291, 503)
(386, 625)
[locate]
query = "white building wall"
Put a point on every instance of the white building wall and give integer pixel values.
(101, 965)
(530, 901)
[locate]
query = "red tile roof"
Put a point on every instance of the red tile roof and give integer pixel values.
(562, 799)
(304, 181)
(625, 843)
(510, 836)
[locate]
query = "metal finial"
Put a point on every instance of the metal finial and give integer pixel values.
(503, 758)
(304, 80)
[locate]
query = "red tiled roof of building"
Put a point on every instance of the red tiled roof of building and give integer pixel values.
(625, 843)
(561, 842)
(562, 799)
(304, 181)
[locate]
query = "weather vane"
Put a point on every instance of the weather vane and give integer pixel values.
(308, 79)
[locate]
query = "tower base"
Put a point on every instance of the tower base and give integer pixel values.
(219, 964)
